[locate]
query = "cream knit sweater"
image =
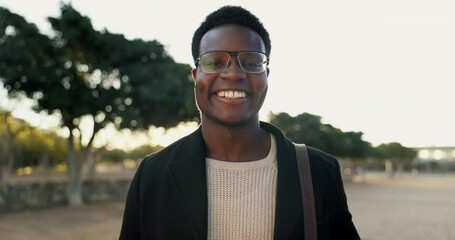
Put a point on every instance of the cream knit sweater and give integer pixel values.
(241, 198)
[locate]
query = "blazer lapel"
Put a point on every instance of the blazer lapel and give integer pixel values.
(288, 212)
(189, 176)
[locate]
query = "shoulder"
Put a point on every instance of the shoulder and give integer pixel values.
(185, 148)
(166, 152)
(325, 168)
(321, 157)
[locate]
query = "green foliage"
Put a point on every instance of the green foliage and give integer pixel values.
(80, 71)
(40, 145)
(118, 155)
(24, 54)
(307, 128)
(30, 146)
(160, 90)
(142, 151)
(114, 155)
(54, 71)
(396, 152)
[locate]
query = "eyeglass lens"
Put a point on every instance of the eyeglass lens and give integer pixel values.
(250, 62)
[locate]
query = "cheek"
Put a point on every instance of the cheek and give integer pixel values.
(201, 92)
(201, 88)
(202, 84)
(262, 88)
(261, 85)
(264, 92)
(263, 95)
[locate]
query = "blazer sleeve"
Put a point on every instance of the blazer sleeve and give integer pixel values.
(343, 227)
(131, 217)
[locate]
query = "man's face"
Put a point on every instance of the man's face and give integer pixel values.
(232, 96)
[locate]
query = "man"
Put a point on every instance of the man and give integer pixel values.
(235, 177)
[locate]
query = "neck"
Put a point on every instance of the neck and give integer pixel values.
(241, 143)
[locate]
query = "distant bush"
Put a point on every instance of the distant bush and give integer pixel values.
(118, 155)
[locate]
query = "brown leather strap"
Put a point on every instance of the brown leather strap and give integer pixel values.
(306, 189)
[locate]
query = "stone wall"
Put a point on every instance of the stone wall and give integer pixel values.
(25, 195)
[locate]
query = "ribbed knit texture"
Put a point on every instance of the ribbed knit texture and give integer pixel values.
(241, 198)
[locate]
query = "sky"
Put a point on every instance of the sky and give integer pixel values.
(382, 67)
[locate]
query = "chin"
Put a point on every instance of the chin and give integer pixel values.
(231, 122)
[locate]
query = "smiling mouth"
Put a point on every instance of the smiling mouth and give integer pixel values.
(231, 94)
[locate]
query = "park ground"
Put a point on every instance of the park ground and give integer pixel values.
(406, 207)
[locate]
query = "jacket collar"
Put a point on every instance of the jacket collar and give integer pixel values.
(189, 173)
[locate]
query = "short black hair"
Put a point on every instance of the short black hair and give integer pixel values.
(230, 15)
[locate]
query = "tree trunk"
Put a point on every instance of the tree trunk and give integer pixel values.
(10, 161)
(2, 175)
(74, 192)
(2, 167)
(389, 167)
(44, 163)
(400, 168)
(10, 149)
(75, 164)
(91, 164)
(90, 155)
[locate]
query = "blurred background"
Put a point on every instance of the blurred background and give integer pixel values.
(87, 89)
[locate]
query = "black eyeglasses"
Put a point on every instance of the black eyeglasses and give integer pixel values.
(218, 61)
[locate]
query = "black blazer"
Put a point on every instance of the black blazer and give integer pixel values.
(167, 198)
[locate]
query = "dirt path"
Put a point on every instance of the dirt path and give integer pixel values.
(405, 208)
(95, 221)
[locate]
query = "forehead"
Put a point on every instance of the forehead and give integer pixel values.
(231, 37)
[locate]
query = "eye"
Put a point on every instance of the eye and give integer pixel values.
(252, 61)
(215, 60)
(252, 64)
(213, 63)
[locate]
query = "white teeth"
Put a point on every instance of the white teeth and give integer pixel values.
(231, 94)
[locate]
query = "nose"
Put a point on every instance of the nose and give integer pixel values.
(233, 69)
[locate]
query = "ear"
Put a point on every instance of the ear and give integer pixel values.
(268, 71)
(194, 73)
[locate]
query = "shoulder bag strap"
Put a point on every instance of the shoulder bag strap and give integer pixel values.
(306, 189)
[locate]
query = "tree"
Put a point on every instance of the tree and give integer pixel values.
(80, 72)
(309, 129)
(40, 149)
(10, 128)
(160, 90)
(396, 153)
(23, 145)
(119, 155)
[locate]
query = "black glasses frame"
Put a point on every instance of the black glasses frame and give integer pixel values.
(198, 60)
